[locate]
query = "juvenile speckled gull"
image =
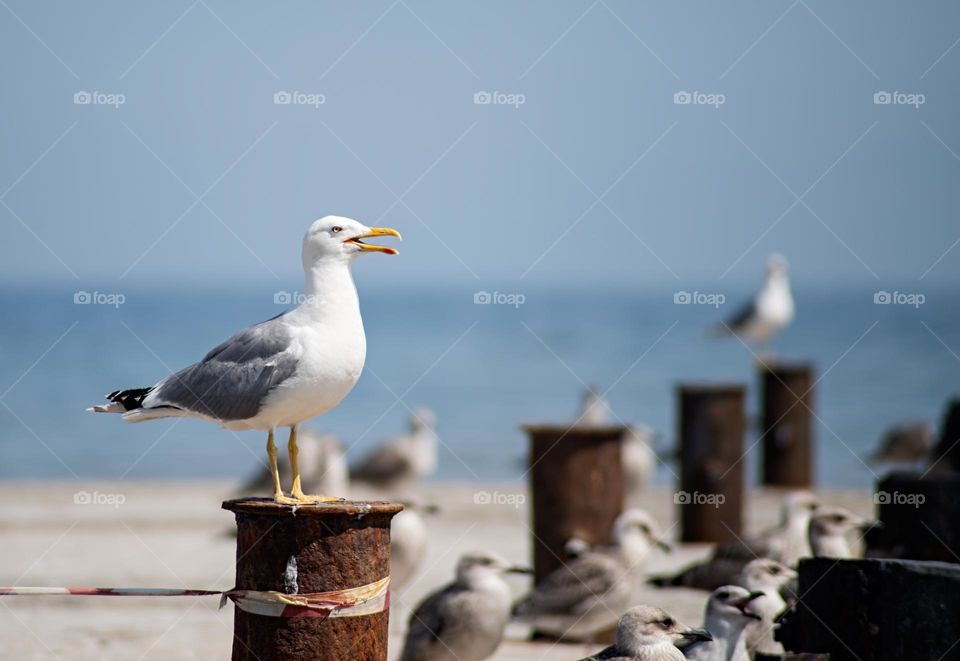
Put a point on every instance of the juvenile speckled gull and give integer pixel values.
(465, 620)
(645, 633)
(786, 543)
(588, 593)
(285, 370)
(829, 532)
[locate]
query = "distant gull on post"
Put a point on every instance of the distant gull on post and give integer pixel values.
(769, 312)
(285, 370)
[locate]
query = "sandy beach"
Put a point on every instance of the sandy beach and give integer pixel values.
(175, 535)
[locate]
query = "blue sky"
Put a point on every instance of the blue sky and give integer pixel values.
(585, 170)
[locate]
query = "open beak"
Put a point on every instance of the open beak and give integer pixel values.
(376, 231)
(695, 635)
(745, 602)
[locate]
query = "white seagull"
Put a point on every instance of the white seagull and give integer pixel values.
(646, 633)
(282, 371)
(728, 612)
(769, 312)
(769, 577)
(829, 530)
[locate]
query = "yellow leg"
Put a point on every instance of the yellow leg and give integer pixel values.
(272, 456)
(296, 490)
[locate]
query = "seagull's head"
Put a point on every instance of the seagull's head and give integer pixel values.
(732, 603)
(637, 530)
(776, 264)
(647, 626)
(764, 573)
(339, 238)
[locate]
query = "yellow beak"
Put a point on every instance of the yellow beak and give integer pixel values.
(376, 231)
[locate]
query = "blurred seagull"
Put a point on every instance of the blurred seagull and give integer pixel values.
(729, 610)
(637, 455)
(285, 370)
(399, 462)
(769, 312)
(584, 596)
(645, 633)
(785, 543)
(905, 443)
(829, 528)
(769, 577)
(465, 620)
(408, 541)
(322, 463)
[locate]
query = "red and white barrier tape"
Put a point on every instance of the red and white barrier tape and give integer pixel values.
(354, 602)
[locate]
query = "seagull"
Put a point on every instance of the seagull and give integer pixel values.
(785, 543)
(729, 610)
(465, 620)
(585, 595)
(636, 454)
(646, 633)
(282, 371)
(905, 443)
(829, 528)
(769, 577)
(399, 462)
(408, 541)
(322, 463)
(769, 312)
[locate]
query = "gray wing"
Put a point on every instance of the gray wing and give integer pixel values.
(426, 625)
(231, 381)
(383, 464)
(570, 585)
(608, 654)
(739, 319)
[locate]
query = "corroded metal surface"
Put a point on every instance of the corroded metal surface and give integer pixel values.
(312, 548)
(576, 479)
(711, 424)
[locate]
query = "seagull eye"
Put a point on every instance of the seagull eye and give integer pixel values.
(667, 622)
(336, 228)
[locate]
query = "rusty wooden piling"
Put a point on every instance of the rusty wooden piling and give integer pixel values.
(711, 425)
(787, 424)
(576, 481)
(309, 549)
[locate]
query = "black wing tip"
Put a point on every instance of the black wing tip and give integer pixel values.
(129, 399)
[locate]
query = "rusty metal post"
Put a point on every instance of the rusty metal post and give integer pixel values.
(307, 549)
(576, 478)
(711, 424)
(787, 425)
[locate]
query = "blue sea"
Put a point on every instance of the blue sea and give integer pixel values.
(485, 369)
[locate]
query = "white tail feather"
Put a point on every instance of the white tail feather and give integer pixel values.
(112, 407)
